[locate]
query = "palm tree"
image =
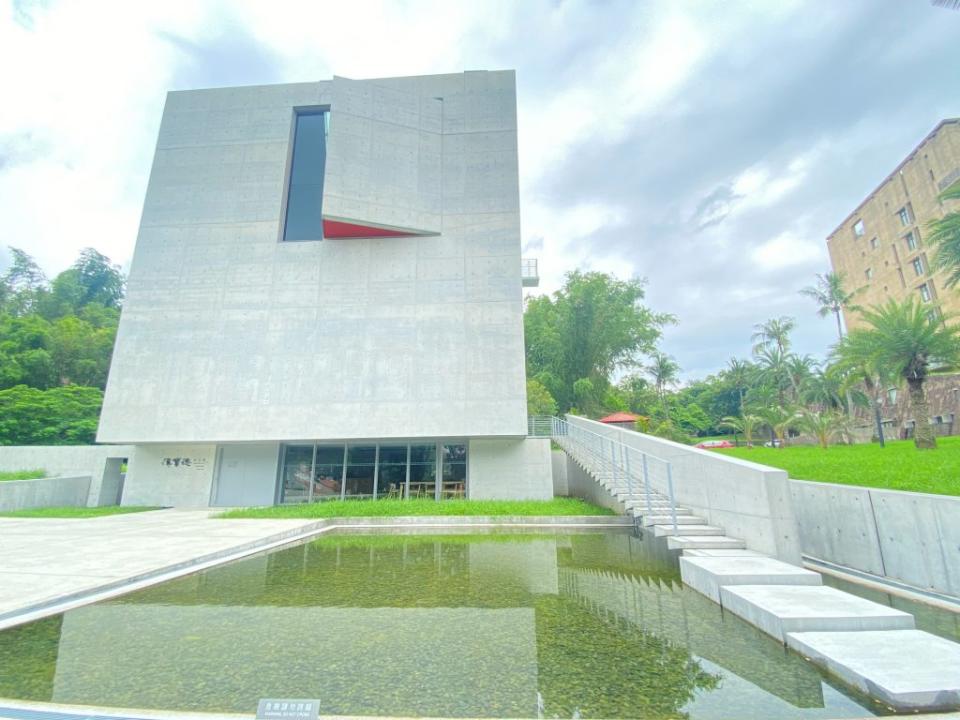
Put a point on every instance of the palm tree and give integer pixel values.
(774, 371)
(746, 424)
(824, 426)
(825, 388)
(945, 237)
(779, 419)
(831, 296)
(851, 370)
(800, 368)
(773, 333)
(738, 373)
(664, 371)
(906, 339)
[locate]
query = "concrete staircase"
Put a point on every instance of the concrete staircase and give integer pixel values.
(650, 508)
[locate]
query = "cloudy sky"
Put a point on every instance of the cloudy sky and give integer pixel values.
(709, 146)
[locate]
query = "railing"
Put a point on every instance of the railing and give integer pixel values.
(620, 462)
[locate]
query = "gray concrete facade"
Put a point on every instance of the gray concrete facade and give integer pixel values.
(63, 491)
(230, 335)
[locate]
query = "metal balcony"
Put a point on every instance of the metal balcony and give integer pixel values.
(528, 272)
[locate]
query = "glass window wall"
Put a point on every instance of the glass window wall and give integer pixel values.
(304, 219)
(391, 470)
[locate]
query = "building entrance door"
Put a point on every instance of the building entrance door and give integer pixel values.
(246, 475)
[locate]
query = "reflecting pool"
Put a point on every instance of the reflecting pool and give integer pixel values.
(593, 624)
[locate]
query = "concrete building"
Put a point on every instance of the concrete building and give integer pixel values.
(881, 245)
(325, 298)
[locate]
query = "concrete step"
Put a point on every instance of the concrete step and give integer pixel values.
(668, 519)
(909, 670)
(722, 553)
(687, 530)
(709, 574)
(782, 609)
(707, 542)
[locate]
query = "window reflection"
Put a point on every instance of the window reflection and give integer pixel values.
(392, 472)
(454, 471)
(328, 476)
(297, 464)
(423, 471)
(303, 220)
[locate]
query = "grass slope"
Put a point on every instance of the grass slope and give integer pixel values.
(76, 512)
(22, 475)
(400, 508)
(898, 466)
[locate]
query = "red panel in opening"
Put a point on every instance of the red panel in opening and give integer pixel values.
(337, 229)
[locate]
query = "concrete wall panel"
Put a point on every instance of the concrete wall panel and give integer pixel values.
(510, 469)
(60, 460)
(64, 491)
(170, 475)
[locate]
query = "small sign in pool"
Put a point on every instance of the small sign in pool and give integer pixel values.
(288, 709)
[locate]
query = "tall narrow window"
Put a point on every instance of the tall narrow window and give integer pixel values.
(911, 241)
(904, 215)
(303, 219)
(858, 228)
(925, 292)
(918, 266)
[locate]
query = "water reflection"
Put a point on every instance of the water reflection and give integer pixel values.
(592, 624)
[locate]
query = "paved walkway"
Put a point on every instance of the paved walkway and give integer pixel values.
(43, 560)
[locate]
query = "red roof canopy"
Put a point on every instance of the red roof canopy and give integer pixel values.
(620, 417)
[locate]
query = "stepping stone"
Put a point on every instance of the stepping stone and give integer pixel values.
(780, 609)
(909, 670)
(733, 552)
(687, 530)
(668, 520)
(682, 542)
(709, 574)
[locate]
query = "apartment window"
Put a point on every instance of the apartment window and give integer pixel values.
(925, 292)
(904, 215)
(303, 217)
(869, 273)
(918, 266)
(874, 243)
(911, 241)
(858, 228)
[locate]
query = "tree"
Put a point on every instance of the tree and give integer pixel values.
(944, 235)
(590, 328)
(539, 400)
(779, 419)
(22, 284)
(746, 424)
(664, 371)
(831, 296)
(824, 426)
(739, 372)
(773, 333)
(906, 339)
(58, 416)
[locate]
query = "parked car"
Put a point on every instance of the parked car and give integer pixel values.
(772, 443)
(713, 444)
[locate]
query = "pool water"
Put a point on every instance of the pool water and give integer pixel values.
(593, 624)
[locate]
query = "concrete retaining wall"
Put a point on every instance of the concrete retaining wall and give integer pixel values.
(62, 460)
(558, 460)
(749, 501)
(46, 492)
(905, 536)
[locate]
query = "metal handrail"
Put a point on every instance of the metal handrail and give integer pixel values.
(610, 455)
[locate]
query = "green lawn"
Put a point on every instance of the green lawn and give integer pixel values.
(898, 466)
(22, 475)
(399, 508)
(76, 512)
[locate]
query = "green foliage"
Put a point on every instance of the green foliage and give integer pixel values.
(539, 399)
(400, 508)
(669, 431)
(944, 235)
(590, 328)
(831, 296)
(908, 341)
(23, 474)
(896, 467)
(824, 426)
(58, 416)
(746, 424)
(56, 341)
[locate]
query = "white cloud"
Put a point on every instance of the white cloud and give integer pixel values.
(786, 250)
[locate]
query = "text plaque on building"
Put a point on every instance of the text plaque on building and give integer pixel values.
(288, 709)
